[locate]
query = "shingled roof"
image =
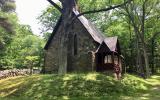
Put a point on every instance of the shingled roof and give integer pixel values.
(91, 28)
(109, 44)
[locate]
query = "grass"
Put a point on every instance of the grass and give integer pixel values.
(91, 86)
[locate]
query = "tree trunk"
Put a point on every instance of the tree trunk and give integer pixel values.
(31, 67)
(138, 58)
(63, 39)
(147, 70)
(139, 31)
(153, 69)
(62, 55)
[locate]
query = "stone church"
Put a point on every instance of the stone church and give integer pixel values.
(89, 49)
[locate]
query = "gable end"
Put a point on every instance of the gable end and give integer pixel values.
(53, 33)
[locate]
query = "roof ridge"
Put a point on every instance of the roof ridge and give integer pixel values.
(91, 28)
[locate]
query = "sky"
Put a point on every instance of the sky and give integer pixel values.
(29, 10)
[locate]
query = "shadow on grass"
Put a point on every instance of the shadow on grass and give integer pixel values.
(93, 86)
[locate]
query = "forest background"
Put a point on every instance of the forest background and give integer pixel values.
(136, 24)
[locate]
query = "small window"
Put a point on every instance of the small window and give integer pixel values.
(108, 59)
(75, 44)
(115, 59)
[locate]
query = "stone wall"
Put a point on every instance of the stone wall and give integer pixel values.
(51, 55)
(82, 62)
(16, 72)
(79, 62)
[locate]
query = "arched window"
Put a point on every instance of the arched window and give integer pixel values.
(75, 44)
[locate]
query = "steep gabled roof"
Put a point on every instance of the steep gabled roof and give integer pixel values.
(53, 33)
(91, 28)
(111, 44)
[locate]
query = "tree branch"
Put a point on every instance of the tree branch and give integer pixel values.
(154, 36)
(105, 9)
(55, 5)
(136, 28)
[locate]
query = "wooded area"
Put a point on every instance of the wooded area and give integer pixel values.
(135, 22)
(19, 47)
(131, 26)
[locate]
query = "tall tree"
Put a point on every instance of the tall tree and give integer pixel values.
(8, 20)
(23, 45)
(138, 13)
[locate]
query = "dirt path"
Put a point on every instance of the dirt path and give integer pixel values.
(154, 91)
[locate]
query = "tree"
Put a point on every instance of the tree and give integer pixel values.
(48, 19)
(23, 44)
(8, 22)
(31, 61)
(6, 6)
(153, 46)
(138, 12)
(17, 42)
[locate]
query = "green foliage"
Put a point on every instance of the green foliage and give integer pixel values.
(32, 60)
(75, 86)
(24, 44)
(17, 42)
(8, 7)
(8, 23)
(48, 19)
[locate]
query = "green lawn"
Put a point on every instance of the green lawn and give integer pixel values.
(91, 86)
(152, 92)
